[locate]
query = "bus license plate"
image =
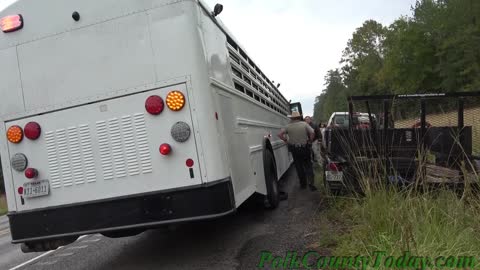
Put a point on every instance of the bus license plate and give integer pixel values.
(36, 189)
(334, 176)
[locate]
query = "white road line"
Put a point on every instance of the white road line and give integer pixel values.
(41, 256)
(47, 263)
(34, 259)
(78, 247)
(64, 254)
(4, 232)
(91, 241)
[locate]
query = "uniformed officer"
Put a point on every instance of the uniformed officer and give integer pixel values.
(299, 134)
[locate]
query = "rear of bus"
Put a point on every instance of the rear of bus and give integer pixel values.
(102, 132)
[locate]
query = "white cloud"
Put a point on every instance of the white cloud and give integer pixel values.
(297, 42)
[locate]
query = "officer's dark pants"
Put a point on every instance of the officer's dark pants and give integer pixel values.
(303, 164)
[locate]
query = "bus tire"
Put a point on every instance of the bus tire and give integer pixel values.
(272, 199)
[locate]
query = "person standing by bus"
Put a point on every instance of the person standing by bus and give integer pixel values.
(298, 135)
(313, 145)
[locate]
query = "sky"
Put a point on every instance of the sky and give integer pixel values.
(295, 42)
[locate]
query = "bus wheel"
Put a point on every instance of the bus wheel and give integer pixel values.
(124, 233)
(273, 194)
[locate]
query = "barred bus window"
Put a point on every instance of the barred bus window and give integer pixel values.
(239, 88)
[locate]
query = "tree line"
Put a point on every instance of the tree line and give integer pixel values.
(436, 49)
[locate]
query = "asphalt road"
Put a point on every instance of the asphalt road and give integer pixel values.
(233, 242)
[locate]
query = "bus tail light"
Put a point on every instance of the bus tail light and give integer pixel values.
(20, 190)
(31, 173)
(15, 134)
(175, 100)
(154, 105)
(32, 130)
(189, 163)
(165, 149)
(11, 23)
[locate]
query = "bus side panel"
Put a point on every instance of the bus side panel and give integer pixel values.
(174, 52)
(246, 125)
(243, 124)
(283, 158)
(238, 151)
(216, 52)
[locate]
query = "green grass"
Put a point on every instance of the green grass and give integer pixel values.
(437, 223)
(3, 205)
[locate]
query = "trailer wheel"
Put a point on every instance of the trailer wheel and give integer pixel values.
(273, 194)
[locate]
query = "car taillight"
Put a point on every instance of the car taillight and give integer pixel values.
(32, 130)
(31, 173)
(154, 105)
(165, 149)
(11, 23)
(15, 134)
(334, 167)
(175, 100)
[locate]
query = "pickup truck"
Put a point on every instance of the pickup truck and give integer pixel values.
(335, 162)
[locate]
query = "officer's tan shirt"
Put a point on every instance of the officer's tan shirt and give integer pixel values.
(298, 132)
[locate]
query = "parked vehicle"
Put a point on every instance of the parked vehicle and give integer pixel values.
(126, 115)
(418, 151)
(342, 120)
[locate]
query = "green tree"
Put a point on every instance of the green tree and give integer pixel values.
(436, 49)
(363, 58)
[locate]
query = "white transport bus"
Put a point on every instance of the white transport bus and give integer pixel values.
(123, 115)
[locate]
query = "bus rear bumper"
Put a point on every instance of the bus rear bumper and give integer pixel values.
(205, 201)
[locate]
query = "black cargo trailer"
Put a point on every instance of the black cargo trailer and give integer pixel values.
(419, 138)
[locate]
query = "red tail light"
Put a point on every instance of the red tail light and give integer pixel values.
(154, 105)
(11, 23)
(31, 173)
(189, 162)
(334, 167)
(165, 149)
(20, 190)
(32, 130)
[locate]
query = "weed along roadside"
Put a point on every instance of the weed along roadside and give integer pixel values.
(434, 229)
(3, 205)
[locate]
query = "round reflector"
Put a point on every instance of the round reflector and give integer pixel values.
(31, 173)
(165, 149)
(15, 134)
(20, 190)
(175, 100)
(32, 130)
(180, 131)
(189, 162)
(154, 105)
(19, 162)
